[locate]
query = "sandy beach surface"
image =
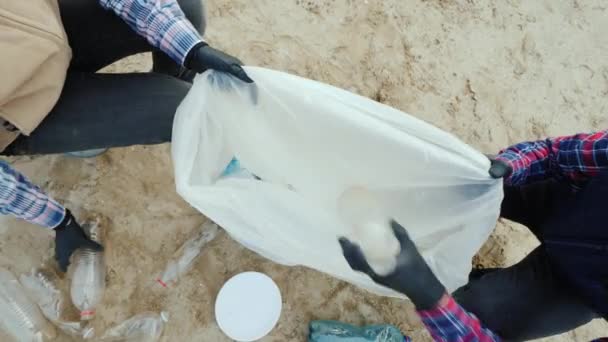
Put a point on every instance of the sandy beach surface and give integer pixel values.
(492, 73)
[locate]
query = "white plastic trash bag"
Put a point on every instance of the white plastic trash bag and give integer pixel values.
(308, 142)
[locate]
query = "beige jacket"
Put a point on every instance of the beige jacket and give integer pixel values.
(34, 58)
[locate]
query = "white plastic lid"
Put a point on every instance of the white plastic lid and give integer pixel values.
(248, 306)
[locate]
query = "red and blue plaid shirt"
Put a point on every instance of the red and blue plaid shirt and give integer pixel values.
(574, 157)
(22, 199)
(449, 322)
(161, 22)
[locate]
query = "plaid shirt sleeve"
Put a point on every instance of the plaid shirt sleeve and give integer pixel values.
(449, 322)
(574, 157)
(161, 22)
(20, 198)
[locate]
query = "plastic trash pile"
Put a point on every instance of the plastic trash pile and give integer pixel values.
(32, 308)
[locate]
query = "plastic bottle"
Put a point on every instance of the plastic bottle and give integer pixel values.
(20, 316)
(183, 259)
(41, 287)
(146, 327)
(371, 230)
(88, 276)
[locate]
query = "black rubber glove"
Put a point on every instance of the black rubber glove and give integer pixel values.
(499, 169)
(412, 277)
(69, 237)
(203, 57)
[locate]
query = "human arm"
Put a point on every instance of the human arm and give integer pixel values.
(573, 157)
(22, 199)
(165, 26)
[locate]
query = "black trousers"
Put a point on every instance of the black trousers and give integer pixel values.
(527, 300)
(109, 110)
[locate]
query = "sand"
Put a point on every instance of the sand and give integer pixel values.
(492, 73)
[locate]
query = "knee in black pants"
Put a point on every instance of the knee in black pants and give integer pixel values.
(525, 301)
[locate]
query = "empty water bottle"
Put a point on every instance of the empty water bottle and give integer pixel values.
(146, 327)
(88, 276)
(41, 286)
(20, 316)
(184, 257)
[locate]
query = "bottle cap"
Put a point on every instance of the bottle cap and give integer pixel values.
(87, 315)
(162, 283)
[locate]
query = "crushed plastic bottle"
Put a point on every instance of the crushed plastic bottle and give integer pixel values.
(41, 286)
(20, 316)
(183, 259)
(333, 331)
(146, 327)
(88, 276)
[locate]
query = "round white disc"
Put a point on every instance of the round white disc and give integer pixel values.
(248, 306)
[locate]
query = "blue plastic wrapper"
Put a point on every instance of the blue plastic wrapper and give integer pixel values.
(334, 331)
(232, 167)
